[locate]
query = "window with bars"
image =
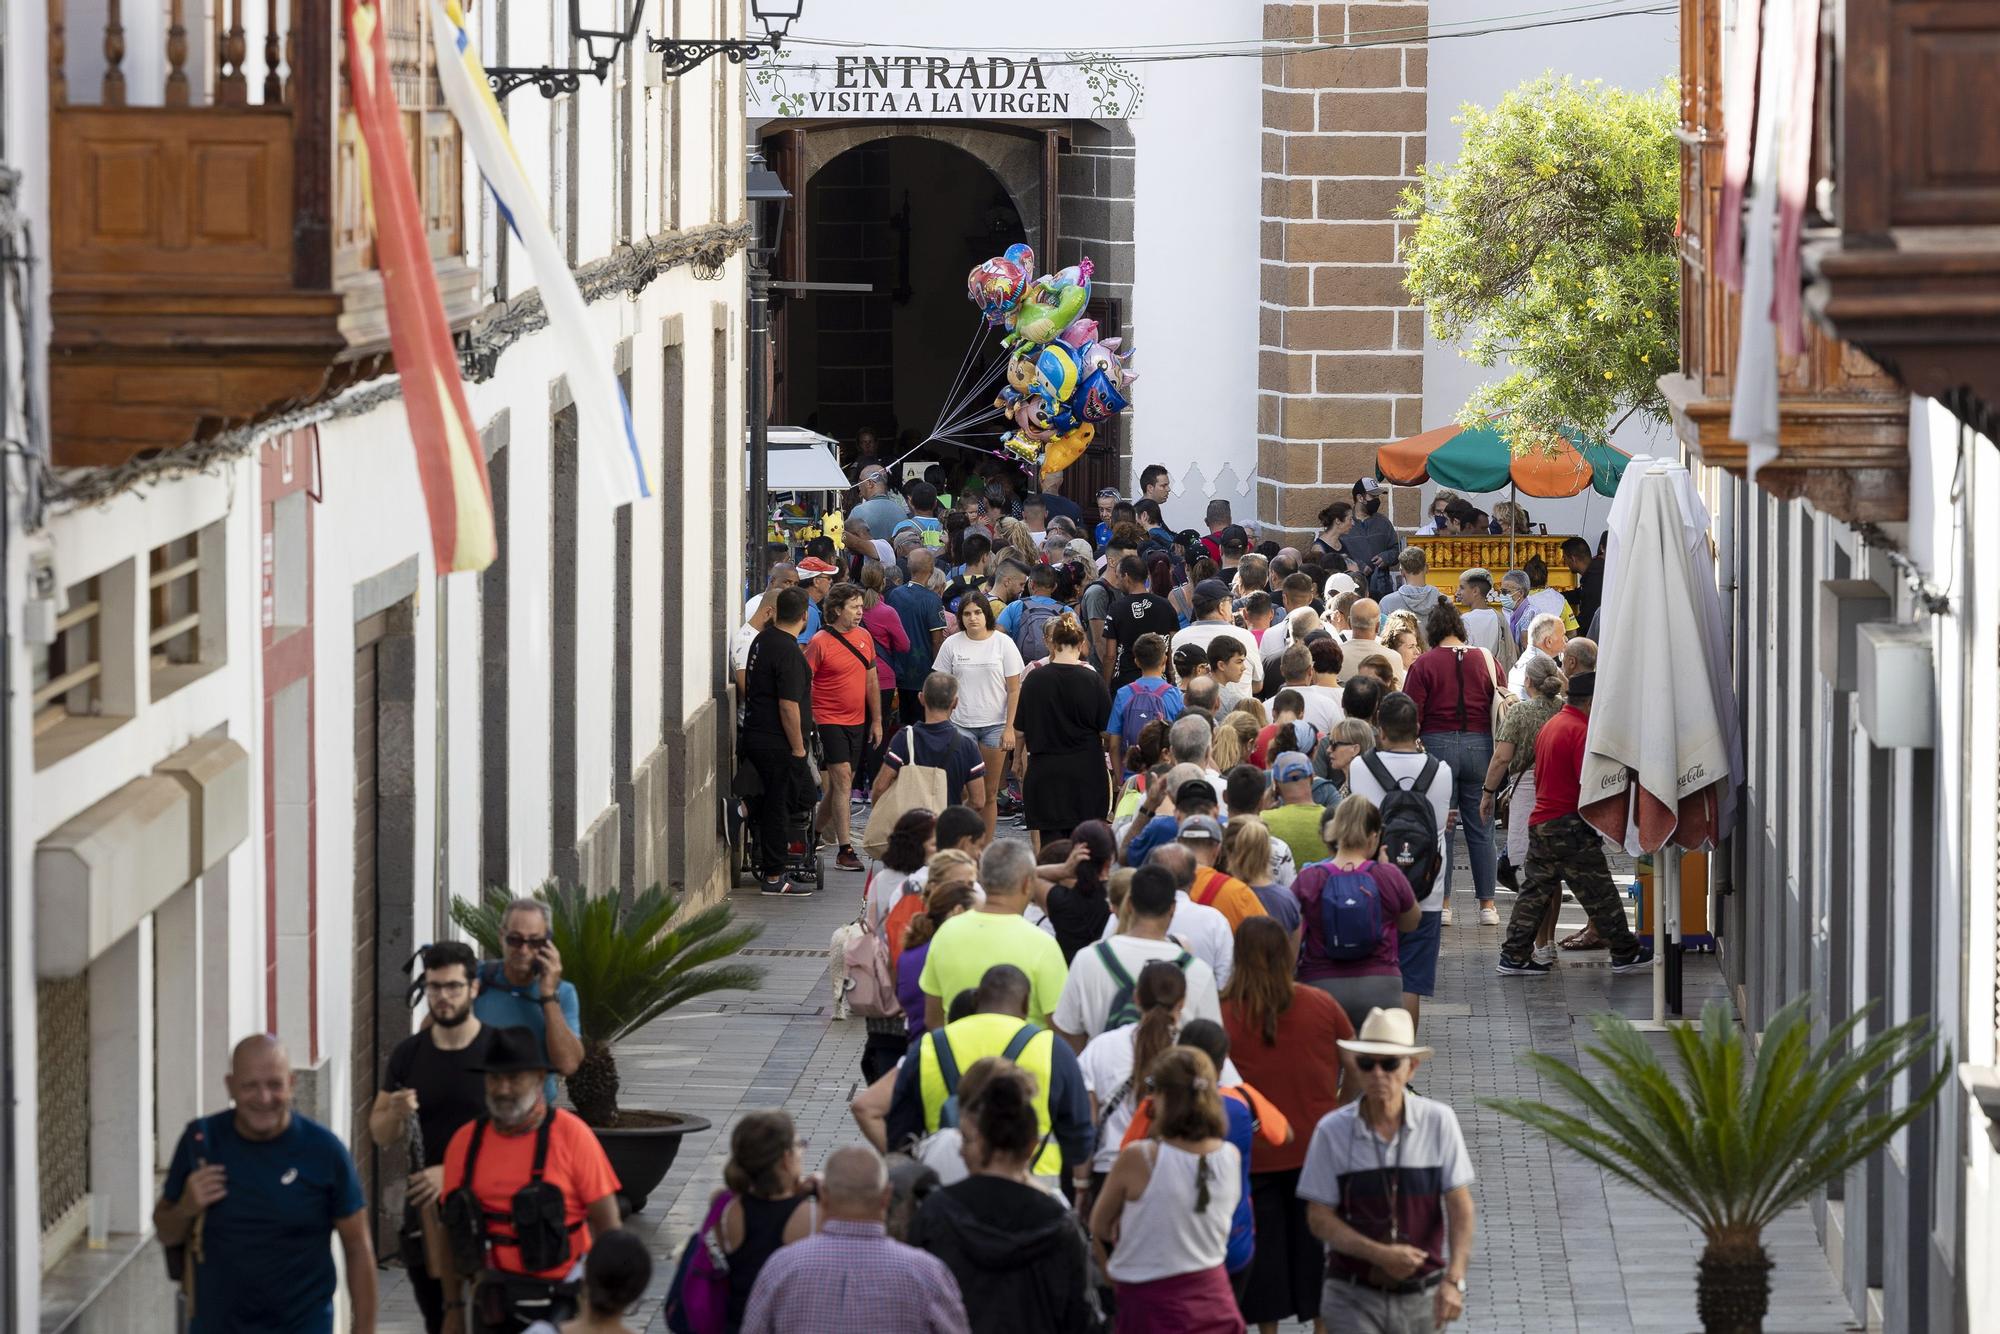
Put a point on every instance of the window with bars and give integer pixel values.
(62, 1090)
(67, 676)
(184, 595)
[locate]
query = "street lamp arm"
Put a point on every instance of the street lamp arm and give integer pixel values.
(679, 56)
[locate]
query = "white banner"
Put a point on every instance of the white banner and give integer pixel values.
(891, 83)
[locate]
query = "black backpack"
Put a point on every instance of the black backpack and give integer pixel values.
(1409, 823)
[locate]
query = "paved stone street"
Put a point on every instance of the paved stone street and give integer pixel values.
(1559, 1247)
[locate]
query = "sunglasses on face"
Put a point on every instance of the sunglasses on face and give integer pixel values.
(1386, 1064)
(517, 941)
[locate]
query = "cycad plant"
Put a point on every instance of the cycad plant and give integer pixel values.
(1742, 1137)
(630, 962)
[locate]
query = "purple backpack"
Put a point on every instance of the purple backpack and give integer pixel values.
(698, 1301)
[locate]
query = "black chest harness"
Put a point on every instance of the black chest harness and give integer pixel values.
(534, 1218)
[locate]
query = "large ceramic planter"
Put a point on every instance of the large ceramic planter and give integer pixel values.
(642, 1147)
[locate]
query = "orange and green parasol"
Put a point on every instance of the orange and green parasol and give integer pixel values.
(1478, 461)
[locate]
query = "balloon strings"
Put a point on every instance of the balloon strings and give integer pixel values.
(965, 364)
(973, 404)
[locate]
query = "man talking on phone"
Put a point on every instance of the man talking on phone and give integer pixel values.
(524, 989)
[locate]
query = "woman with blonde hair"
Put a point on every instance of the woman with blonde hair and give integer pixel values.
(1167, 1207)
(1246, 854)
(1017, 535)
(1225, 749)
(1254, 708)
(1060, 719)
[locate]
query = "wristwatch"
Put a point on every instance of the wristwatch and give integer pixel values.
(1458, 1283)
(552, 1000)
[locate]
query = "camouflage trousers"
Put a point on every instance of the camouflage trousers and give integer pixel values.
(1567, 851)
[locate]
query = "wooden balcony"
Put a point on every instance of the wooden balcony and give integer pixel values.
(198, 281)
(1843, 422)
(1909, 267)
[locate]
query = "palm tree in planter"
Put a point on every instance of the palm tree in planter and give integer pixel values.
(1745, 1140)
(630, 962)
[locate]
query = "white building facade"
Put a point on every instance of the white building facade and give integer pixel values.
(255, 743)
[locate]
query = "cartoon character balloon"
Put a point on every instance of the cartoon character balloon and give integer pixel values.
(998, 285)
(1066, 449)
(1050, 304)
(1105, 384)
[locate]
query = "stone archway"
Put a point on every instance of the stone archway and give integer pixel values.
(1014, 158)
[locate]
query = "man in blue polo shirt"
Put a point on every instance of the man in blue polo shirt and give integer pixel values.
(524, 989)
(265, 1186)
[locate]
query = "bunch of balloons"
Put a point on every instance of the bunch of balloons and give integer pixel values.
(1062, 379)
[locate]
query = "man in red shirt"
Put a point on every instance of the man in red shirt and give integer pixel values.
(1562, 847)
(526, 1188)
(846, 708)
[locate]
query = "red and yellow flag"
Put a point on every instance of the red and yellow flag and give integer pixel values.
(450, 464)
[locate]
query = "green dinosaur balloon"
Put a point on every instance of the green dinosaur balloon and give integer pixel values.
(1049, 304)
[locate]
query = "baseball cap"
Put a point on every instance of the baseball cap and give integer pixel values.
(1366, 486)
(1081, 550)
(1200, 828)
(1341, 582)
(812, 567)
(1232, 534)
(1289, 766)
(1193, 789)
(1212, 588)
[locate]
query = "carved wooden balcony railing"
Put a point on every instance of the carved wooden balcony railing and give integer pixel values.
(1909, 269)
(1842, 420)
(198, 280)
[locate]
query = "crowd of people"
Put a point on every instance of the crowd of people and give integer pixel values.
(1160, 957)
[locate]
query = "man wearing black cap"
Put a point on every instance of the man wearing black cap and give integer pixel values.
(526, 1186)
(1562, 847)
(1212, 604)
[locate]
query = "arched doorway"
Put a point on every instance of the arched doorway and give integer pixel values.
(908, 210)
(909, 217)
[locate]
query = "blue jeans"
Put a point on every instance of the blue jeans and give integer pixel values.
(1467, 754)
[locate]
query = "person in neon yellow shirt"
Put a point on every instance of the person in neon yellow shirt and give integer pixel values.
(995, 932)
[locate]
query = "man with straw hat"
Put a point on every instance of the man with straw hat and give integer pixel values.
(1388, 1186)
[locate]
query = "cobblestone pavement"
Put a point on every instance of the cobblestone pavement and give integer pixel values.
(1560, 1248)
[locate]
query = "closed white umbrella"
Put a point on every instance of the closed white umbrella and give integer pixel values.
(1697, 549)
(1658, 761)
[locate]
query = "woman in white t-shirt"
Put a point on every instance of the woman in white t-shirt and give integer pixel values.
(987, 667)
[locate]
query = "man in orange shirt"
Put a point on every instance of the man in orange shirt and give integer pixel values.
(1201, 835)
(526, 1187)
(846, 709)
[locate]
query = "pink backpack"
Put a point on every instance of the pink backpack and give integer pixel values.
(698, 1301)
(871, 977)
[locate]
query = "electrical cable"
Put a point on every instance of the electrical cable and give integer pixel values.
(1251, 45)
(1410, 35)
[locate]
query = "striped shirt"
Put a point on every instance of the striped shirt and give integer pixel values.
(850, 1275)
(1388, 1190)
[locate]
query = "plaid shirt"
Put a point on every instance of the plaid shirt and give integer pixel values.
(852, 1276)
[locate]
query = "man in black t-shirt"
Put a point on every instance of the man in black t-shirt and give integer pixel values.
(1138, 611)
(777, 717)
(433, 1077)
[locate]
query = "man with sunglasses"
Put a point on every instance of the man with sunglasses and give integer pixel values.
(524, 989)
(1388, 1187)
(434, 1076)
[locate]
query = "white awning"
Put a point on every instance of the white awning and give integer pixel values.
(801, 460)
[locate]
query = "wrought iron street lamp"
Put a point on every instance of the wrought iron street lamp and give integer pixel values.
(615, 23)
(678, 56)
(767, 197)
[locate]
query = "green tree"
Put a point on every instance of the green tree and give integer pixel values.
(1551, 243)
(1744, 1134)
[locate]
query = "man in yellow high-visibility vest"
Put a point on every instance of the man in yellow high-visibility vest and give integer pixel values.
(924, 1097)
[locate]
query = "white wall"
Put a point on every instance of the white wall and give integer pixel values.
(1634, 53)
(1195, 268)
